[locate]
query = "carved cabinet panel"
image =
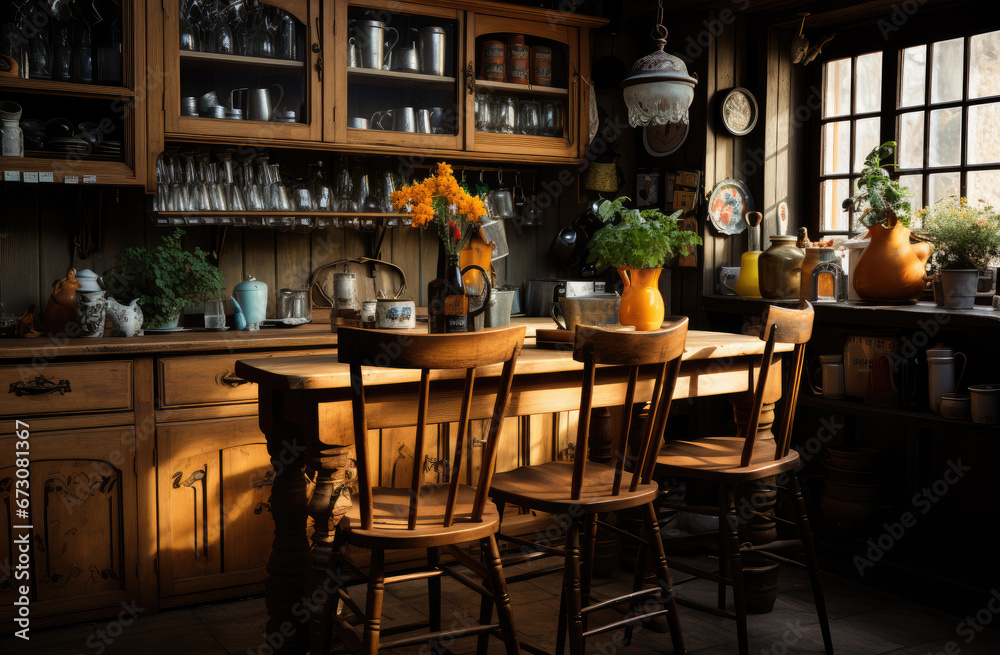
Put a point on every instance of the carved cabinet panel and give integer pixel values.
(83, 513)
(213, 485)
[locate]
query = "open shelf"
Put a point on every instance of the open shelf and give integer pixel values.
(393, 78)
(213, 60)
(278, 212)
(509, 87)
(65, 88)
(957, 426)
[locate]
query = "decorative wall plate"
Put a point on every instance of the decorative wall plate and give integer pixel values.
(738, 110)
(662, 140)
(728, 204)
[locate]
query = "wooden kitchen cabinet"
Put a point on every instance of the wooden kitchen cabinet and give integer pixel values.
(213, 481)
(84, 518)
(115, 108)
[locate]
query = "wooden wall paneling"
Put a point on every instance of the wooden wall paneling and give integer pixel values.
(230, 260)
(145, 443)
(406, 255)
(57, 223)
(786, 104)
(708, 233)
(725, 146)
(799, 165)
(259, 261)
(540, 444)
(293, 263)
(770, 105)
(508, 446)
(20, 286)
(397, 459)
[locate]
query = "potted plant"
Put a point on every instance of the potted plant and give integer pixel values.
(165, 280)
(966, 240)
(890, 269)
(637, 244)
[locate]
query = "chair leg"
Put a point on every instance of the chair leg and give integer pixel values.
(498, 586)
(799, 505)
(561, 629)
(638, 579)
(373, 606)
(659, 558)
(571, 589)
(434, 591)
(588, 546)
(736, 569)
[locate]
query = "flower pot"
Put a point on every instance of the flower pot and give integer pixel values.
(169, 322)
(641, 303)
(889, 269)
(959, 286)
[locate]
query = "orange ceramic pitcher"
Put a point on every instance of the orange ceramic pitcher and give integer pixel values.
(642, 304)
(890, 268)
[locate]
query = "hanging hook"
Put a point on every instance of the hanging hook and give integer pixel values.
(517, 178)
(481, 174)
(803, 25)
(659, 33)
(500, 177)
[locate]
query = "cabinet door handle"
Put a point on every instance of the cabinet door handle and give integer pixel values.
(229, 379)
(317, 48)
(39, 386)
(470, 78)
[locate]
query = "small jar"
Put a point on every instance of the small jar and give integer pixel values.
(11, 136)
(779, 269)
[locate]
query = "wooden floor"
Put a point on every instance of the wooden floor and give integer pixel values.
(863, 621)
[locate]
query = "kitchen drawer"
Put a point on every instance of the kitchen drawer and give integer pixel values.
(210, 379)
(65, 388)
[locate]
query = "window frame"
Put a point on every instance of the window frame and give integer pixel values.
(924, 28)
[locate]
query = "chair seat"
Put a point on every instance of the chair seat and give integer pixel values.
(718, 458)
(546, 487)
(389, 513)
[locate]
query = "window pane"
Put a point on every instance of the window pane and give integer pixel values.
(911, 140)
(946, 62)
(836, 147)
(984, 134)
(837, 91)
(942, 185)
(984, 187)
(946, 137)
(831, 213)
(866, 138)
(915, 183)
(868, 86)
(914, 76)
(984, 65)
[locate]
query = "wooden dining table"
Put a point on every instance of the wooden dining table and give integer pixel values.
(305, 413)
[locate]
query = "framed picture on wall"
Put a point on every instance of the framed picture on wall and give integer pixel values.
(647, 187)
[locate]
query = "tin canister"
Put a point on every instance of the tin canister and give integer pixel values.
(493, 61)
(518, 55)
(368, 313)
(541, 65)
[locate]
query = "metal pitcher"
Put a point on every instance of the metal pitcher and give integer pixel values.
(431, 45)
(259, 106)
(370, 38)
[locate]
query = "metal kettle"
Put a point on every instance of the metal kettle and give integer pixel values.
(249, 304)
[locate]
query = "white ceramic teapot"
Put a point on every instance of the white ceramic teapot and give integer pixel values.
(127, 319)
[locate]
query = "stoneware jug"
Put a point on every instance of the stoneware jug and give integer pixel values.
(641, 303)
(126, 319)
(890, 269)
(91, 307)
(249, 304)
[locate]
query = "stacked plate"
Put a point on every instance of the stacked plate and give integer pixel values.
(69, 145)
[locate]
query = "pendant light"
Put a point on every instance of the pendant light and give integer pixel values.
(659, 90)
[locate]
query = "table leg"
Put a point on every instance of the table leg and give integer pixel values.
(755, 501)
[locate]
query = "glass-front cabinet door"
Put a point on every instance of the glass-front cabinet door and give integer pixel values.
(242, 70)
(397, 81)
(523, 84)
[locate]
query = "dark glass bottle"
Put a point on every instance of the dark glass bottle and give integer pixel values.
(456, 303)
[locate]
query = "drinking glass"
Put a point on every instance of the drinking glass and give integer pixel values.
(278, 192)
(322, 194)
(552, 124)
(389, 187)
(345, 191)
(529, 122)
(215, 315)
(504, 115)
(232, 193)
(483, 122)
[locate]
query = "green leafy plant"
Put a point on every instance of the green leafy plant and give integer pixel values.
(165, 280)
(638, 239)
(878, 194)
(963, 236)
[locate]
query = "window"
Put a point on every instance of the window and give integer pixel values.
(945, 116)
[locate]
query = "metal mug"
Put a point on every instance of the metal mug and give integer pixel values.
(259, 105)
(424, 121)
(406, 59)
(403, 119)
(353, 58)
(189, 106)
(218, 111)
(431, 45)
(370, 37)
(207, 101)
(357, 123)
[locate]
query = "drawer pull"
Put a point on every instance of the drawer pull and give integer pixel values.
(39, 386)
(229, 379)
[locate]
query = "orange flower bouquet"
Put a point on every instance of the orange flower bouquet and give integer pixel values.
(441, 200)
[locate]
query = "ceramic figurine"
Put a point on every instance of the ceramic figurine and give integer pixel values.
(60, 310)
(127, 319)
(91, 306)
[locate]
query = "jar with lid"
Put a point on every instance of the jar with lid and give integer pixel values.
(11, 136)
(780, 269)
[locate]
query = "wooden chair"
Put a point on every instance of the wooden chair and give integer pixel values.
(577, 491)
(745, 458)
(429, 516)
